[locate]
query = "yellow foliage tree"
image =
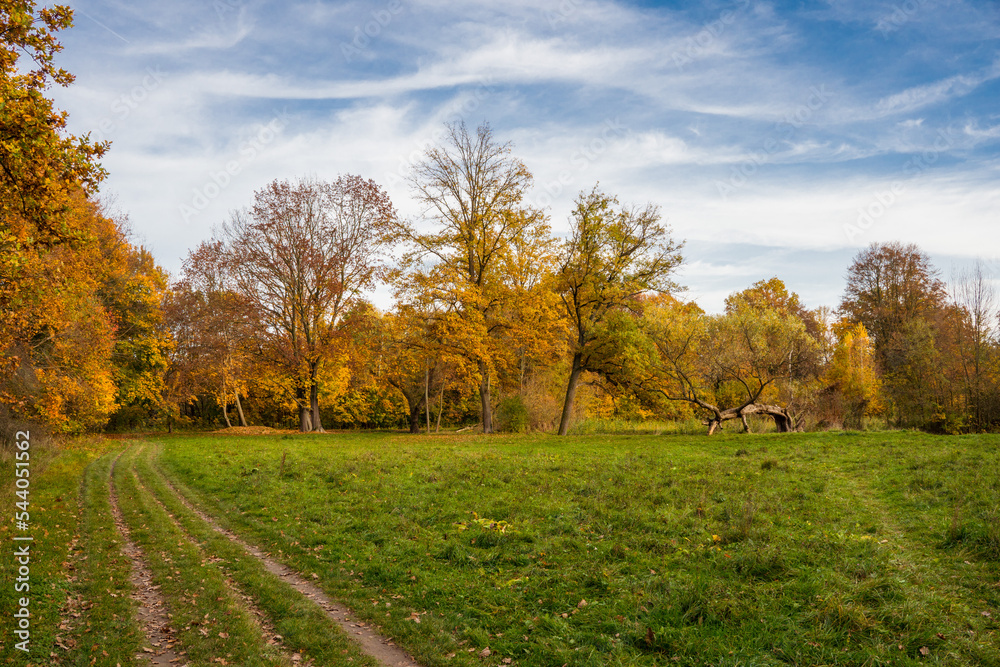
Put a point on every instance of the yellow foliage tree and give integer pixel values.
(480, 266)
(853, 371)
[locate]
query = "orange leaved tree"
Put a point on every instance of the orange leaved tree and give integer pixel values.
(300, 258)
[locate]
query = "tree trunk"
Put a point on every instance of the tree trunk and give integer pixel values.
(317, 422)
(783, 420)
(574, 379)
(437, 429)
(521, 382)
(415, 417)
(427, 394)
(484, 397)
(225, 412)
(305, 418)
(239, 409)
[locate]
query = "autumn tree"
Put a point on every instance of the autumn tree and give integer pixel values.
(61, 364)
(854, 375)
(41, 167)
(97, 346)
(215, 332)
(746, 361)
(303, 254)
(889, 285)
(132, 289)
(894, 291)
(613, 256)
(472, 192)
(411, 360)
(975, 297)
(80, 303)
(44, 171)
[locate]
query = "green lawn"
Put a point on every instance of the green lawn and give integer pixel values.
(79, 589)
(808, 549)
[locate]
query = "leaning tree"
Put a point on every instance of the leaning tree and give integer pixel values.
(747, 361)
(613, 256)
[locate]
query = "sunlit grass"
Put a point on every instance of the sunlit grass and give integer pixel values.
(611, 549)
(61, 523)
(301, 623)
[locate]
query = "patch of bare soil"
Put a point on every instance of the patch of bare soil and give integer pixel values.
(374, 644)
(152, 611)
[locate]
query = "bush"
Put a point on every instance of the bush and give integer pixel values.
(945, 422)
(512, 416)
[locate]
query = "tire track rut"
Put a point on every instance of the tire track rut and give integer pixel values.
(371, 641)
(255, 613)
(152, 612)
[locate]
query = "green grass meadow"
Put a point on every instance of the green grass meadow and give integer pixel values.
(807, 549)
(737, 550)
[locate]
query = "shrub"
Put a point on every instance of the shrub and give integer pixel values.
(512, 415)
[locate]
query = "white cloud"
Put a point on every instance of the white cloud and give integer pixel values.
(918, 97)
(656, 105)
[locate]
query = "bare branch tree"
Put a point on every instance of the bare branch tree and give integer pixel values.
(303, 254)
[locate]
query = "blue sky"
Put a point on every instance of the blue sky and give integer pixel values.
(778, 138)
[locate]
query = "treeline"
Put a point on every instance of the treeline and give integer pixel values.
(498, 323)
(495, 322)
(82, 341)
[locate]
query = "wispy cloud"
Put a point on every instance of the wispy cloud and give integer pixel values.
(807, 115)
(918, 97)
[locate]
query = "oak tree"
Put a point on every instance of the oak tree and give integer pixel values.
(44, 171)
(614, 255)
